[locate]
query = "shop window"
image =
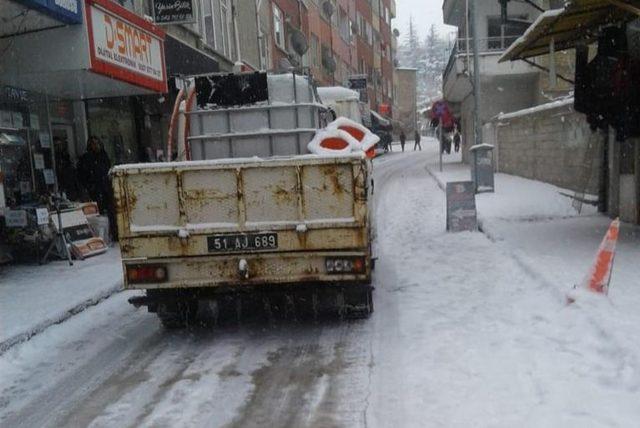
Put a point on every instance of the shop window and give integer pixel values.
(112, 121)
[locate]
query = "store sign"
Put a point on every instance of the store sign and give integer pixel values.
(359, 83)
(124, 46)
(42, 216)
(15, 218)
(49, 176)
(67, 11)
(173, 11)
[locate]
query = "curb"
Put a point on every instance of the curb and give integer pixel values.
(58, 319)
(440, 184)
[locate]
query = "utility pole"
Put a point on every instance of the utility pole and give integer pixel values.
(476, 72)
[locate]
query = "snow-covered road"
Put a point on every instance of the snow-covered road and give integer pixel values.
(462, 335)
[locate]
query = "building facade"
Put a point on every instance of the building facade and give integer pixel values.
(343, 38)
(504, 87)
(72, 69)
(78, 70)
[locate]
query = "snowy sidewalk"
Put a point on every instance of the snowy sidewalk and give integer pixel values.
(484, 336)
(542, 227)
(545, 235)
(34, 297)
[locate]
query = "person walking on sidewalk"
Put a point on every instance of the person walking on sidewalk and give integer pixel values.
(403, 139)
(456, 139)
(416, 143)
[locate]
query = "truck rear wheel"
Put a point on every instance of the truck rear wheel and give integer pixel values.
(178, 315)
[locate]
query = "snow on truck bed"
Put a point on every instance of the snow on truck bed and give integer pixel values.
(325, 158)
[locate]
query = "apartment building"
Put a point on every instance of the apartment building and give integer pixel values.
(505, 87)
(343, 37)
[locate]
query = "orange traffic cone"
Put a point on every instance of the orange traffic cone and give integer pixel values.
(599, 276)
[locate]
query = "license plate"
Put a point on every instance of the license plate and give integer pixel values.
(242, 242)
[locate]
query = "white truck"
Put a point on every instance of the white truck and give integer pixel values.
(254, 221)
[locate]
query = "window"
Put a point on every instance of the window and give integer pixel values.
(345, 32)
(514, 28)
(265, 56)
(334, 17)
(278, 27)
(361, 26)
(314, 55)
(225, 27)
(207, 21)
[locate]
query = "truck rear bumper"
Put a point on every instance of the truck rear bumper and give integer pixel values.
(249, 270)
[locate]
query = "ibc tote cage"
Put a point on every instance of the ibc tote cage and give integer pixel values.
(281, 116)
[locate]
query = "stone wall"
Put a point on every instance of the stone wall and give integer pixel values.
(551, 143)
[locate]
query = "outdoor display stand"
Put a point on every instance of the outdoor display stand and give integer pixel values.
(482, 168)
(75, 233)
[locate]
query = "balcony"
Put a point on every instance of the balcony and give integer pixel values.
(456, 75)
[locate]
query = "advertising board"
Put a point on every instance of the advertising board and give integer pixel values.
(124, 46)
(173, 11)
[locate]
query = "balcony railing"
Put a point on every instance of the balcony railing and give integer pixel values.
(487, 44)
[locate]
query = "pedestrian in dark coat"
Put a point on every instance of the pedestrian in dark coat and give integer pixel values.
(456, 139)
(403, 139)
(93, 174)
(416, 143)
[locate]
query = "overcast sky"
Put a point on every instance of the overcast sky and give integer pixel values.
(424, 12)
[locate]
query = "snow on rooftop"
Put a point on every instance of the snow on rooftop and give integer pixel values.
(542, 107)
(522, 39)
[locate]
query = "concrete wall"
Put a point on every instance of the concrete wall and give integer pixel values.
(554, 146)
(499, 94)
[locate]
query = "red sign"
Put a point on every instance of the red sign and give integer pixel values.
(124, 46)
(384, 109)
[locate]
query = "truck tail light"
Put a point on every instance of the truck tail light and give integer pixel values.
(140, 274)
(342, 265)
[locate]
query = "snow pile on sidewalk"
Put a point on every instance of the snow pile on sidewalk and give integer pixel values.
(515, 198)
(34, 297)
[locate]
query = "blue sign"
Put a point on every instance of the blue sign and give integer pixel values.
(67, 11)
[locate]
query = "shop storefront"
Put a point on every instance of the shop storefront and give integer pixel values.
(61, 80)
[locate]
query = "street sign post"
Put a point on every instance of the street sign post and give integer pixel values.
(461, 207)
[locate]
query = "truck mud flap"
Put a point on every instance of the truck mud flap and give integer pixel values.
(299, 304)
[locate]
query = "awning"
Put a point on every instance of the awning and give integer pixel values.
(381, 119)
(578, 21)
(183, 60)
